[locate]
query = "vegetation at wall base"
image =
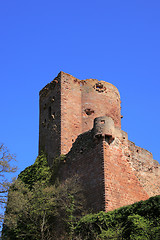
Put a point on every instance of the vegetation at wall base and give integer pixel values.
(39, 207)
(139, 221)
(37, 172)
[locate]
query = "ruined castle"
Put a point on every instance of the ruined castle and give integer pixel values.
(82, 119)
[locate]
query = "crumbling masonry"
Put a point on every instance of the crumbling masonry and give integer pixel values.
(82, 119)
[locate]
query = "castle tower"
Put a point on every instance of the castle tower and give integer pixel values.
(68, 107)
(82, 119)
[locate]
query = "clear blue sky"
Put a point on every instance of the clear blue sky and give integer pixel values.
(115, 41)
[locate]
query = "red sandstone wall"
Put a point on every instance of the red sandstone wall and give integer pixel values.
(70, 111)
(76, 104)
(146, 169)
(108, 180)
(102, 99)
(112, 175)
(49, 119)
(121, 185)
(87, 163)
(81, 102)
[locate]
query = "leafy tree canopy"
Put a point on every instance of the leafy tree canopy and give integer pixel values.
(139, 221)
(38, 172)
(38, 209)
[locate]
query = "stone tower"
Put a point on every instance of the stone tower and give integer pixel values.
(68, 107)
(82, 119)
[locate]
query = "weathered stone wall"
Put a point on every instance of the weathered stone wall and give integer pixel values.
(71, 118)
(105, 173)
(121, 184)
(86, 160)
(112, 170)
(76, 104)
(146, 168)
(99, 98)
(49, 119)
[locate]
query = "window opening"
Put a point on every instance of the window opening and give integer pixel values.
(89, 111)
(53, 98)
(99, 87)
(53, 115)
(102, 121)
(49, 112)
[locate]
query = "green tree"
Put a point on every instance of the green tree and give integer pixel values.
(29, 212)
(137, 227)
(38, 209)
(6, 167)
(37, 172)
(140, 220)
(43, 212)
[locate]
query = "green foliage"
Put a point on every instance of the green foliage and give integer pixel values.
(56, 166)
(37, 209)
(43, 212)
(41, 172)
(137, 227)
(139, 221)
(38, 172)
